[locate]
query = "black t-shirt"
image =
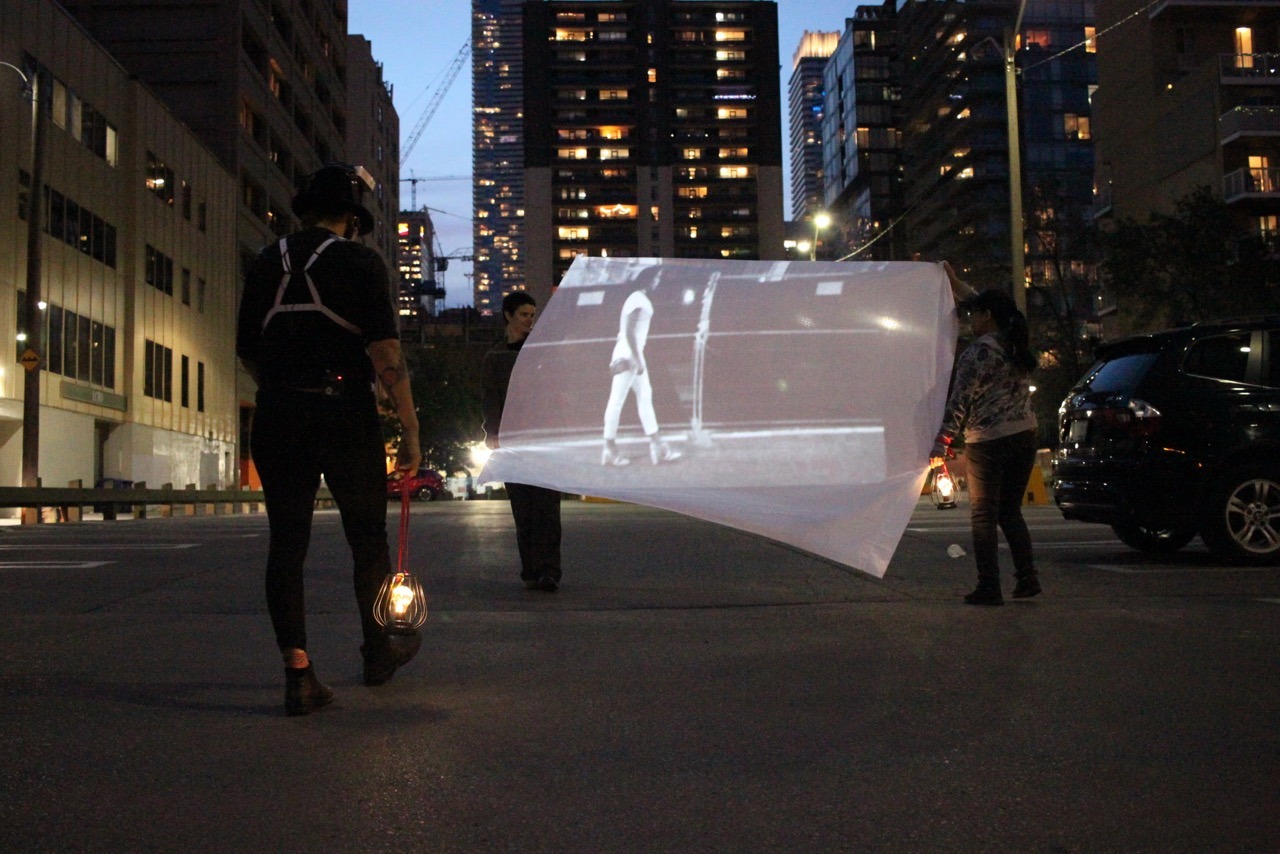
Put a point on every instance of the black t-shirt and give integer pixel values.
(298, 348)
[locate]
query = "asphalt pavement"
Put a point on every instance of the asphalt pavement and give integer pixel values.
(690, 688)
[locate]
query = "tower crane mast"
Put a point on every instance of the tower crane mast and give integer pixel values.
(454, 67)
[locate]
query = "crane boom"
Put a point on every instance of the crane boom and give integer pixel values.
(454, 67)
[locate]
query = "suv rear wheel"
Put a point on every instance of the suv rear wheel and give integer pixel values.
(1242, 516)
(1155, 541)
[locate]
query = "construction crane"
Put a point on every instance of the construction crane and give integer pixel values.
(454, 67)
(413, 182)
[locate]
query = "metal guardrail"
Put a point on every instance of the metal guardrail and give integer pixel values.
(70, 501)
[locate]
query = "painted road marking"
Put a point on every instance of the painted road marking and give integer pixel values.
(1178, 570)
(53, 564)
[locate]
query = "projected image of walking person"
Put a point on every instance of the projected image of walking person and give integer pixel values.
(631, 375)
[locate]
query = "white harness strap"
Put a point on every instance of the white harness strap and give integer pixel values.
(315, 304)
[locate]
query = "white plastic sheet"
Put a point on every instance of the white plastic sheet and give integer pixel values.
(793, 400)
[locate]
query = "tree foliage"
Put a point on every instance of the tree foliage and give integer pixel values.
(1192, 265)
(446, 392)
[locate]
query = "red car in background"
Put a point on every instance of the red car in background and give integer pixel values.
(426, 485)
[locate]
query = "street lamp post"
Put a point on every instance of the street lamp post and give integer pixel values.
(821, 221)
(31, 357)
(1017, 239)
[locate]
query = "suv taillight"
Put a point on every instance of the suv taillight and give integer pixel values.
(1137, 420)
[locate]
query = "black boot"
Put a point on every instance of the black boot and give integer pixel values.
(385, 654)
(986, 593)
(1028, 585)
(303, 692)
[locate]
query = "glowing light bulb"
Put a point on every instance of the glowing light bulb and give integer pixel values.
(401, 598)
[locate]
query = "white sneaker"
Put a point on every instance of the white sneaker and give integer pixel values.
(662, 453)
(610, 458)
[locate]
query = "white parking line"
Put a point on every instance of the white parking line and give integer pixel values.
(53, 564)
(1271, 601)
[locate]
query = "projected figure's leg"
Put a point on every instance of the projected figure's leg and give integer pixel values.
(612, 414)
(659, 451)
(698, 432)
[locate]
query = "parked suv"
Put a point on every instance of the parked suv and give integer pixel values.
(1177, 433)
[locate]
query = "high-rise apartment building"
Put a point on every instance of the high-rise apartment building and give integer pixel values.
(497, 94)
(654, 131)
(138, 270)
(420, 297)
(862, 139)
(955, 148)
(806, 102)
(1188, 97)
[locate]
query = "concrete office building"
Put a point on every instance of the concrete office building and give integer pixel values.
(654, 131)
(262, 82)
(1188, 97)
(806, 105)
(497, 94)
(373, 141)
(138, 270)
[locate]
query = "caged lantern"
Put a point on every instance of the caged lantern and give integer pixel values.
(401, 606)
(944, 488)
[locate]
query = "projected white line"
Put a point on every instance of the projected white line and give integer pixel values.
(1179, 570)
(100, 547)
(53, 564)
(684, 437)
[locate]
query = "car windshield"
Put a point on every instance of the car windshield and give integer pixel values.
(1120, 374)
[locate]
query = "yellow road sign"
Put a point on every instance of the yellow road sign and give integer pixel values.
(30, 359)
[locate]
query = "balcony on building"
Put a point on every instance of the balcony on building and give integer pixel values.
(1160, 8)
(1251, 183)
(1249, 69)
(1248, 121)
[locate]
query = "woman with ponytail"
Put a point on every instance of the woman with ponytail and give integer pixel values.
(990, 403)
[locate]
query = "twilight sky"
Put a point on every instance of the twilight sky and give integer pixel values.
(415, 40)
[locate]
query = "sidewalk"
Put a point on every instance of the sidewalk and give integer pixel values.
(690, 688)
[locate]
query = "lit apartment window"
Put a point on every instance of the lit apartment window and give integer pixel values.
(960, 152)
(574, 133)
(571, 17)
(735, 171)
(692, 232)
(614, 154)
(1268, 226)
(1244, 47)
(1076, 127)
(1091, 39)
(729, 17)
(730, 55)
(966, 172)
(731, 35)
(692, 192)
(729, 153)
(571, 35)
(963, 114)
(572, 153)
(731, 113)
(612, 17)
(613, 94)
(573, 55)
(571, 232)
(694, 213)
(730, 73)
(618, 211)
(573, 94)
(691, 153)
(612, 36)
(613, 133)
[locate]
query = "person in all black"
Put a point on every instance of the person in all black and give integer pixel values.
(536, 509)
(316, 330)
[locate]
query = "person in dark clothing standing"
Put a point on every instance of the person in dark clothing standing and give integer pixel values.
(536, 509)
(316, 330)
(990, 401)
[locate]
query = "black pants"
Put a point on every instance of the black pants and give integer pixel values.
(998, 475)
(537, 514)
(297, 437)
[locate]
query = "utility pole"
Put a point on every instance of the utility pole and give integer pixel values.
(32, 356)
(1017, 237)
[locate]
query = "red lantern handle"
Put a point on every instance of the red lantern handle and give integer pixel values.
(403, 549)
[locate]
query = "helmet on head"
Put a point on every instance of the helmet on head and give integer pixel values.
(335, 190)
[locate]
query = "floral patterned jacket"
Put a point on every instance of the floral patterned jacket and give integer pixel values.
(989, 399)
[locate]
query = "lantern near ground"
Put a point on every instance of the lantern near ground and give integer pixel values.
(401, 607)
(944, 488)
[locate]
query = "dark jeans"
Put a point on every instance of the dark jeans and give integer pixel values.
(296, 438)
(537, 514)
(998, 475)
